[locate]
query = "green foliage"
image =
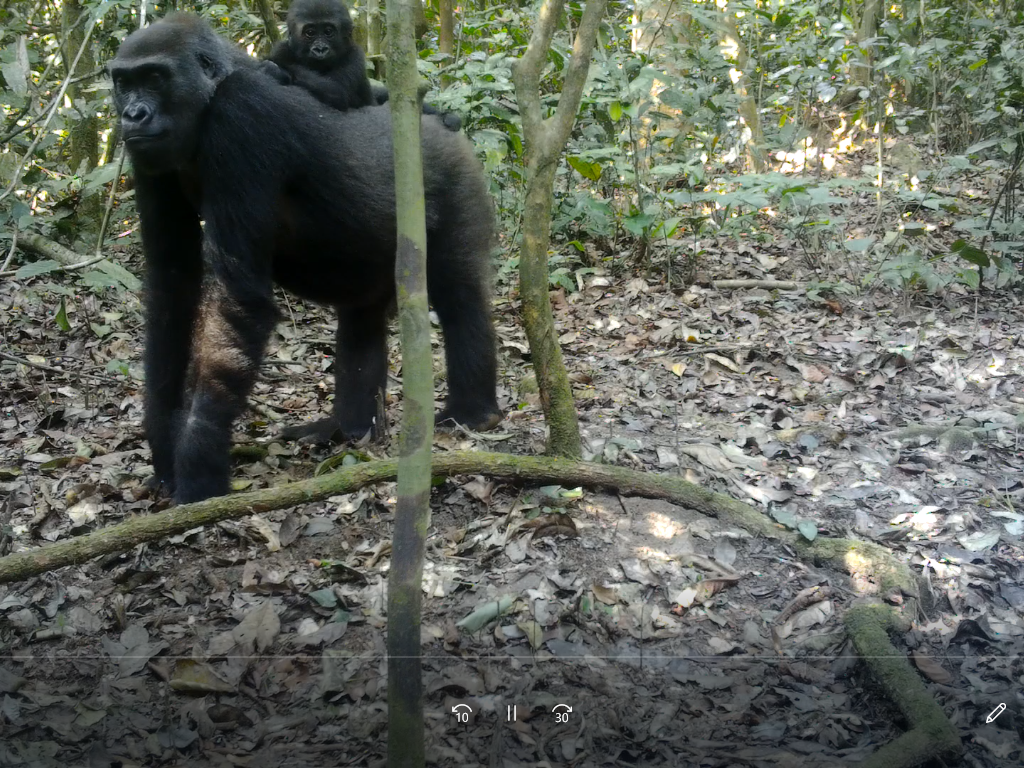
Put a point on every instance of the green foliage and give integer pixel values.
(61, 318)
(655, 171)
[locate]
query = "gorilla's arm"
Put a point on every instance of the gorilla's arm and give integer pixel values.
(343, 89)
(450, 120)
(171, 237)
(281, 54)
(237, 312)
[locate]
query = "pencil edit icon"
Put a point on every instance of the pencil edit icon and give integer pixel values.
(995, 713)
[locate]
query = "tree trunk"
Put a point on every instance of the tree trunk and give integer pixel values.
(114, 138)
(84, 152)
(544, 139)
(269, 20)
(861, 67)
(446, 36)
(420, 16)
(374, 38)
(735, 52)
(412, 515)
(552, 378)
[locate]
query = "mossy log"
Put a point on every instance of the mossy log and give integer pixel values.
(931, 736)
(858, 558)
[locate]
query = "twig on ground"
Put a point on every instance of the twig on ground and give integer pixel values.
(768, 285)
(58, 371)
(10, 253)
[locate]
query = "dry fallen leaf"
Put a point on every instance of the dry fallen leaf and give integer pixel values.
(191, 676)
(932, 669)
(552, 525)
(259, 628)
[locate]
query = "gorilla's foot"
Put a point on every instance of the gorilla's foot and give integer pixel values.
(159, 487)
(477, 422)
(319, 432)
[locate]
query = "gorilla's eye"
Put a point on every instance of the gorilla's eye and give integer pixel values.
(308, 33)
(328, 31)
(207, 63)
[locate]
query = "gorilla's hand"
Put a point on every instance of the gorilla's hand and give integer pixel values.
(272, 70)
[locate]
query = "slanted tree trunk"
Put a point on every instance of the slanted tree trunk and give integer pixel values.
(412, 514)
(545, 138)
(269, 21)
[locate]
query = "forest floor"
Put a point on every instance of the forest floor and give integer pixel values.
(784, 401)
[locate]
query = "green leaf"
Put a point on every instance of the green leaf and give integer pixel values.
(558, 496)
(970, 253)
(348, 458)
(787, 519)
(585, 168)
(36, 268)
(486, 613)
(667, 228)
(122, 275)
(22, 214)
(59, 463)
(971, 278)
(62, 317)
(615, 111)
(325, 598)
(687, 103)
(96, 279)
(859, 245)
(117, 366)
(807, 529)
(638, 223)
(980, 146)
(16, 74)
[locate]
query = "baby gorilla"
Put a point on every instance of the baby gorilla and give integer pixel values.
(321, 57)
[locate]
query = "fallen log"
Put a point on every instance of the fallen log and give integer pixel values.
(861, 559)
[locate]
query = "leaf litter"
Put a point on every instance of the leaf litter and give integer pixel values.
(673, 637)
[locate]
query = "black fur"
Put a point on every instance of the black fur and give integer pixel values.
(320, 56)
(451, 120)
(289, 193)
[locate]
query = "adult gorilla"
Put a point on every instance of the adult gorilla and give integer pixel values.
(292, 192)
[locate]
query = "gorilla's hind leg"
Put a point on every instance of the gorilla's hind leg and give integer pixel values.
(360, 376)
(462, 301)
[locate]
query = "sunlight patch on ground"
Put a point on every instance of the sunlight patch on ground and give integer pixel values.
(663, 526)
